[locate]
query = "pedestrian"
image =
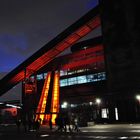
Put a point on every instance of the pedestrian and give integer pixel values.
(37, 126)
(50, 123)
(76, 125)
(18, 123)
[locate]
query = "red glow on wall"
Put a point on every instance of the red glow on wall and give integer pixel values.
(17, 77)
(62, 46)
(67, 42)
(72, 38)
(94, 22)
(11, 111)
(83, 62)
(83, 30)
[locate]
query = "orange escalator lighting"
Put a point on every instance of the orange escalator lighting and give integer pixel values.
(55, 97)
(43, 100)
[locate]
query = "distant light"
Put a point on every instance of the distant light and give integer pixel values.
(98, 101)
(138, 97)
(1, 103)
(64, 105)
(91, 103)
(72, 105)
(123, 138)
(45, 135)
(85, 47)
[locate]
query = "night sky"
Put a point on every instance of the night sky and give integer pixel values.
(26, 25)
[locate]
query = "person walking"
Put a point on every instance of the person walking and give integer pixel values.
(76, 125)
(50, 124)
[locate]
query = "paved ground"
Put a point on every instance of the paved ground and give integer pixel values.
(96, 132)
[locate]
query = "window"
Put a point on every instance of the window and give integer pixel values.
(72, 81)
(116, 114)
(63, 82)
(40, 76)
(45, 74)
(81, 79)
(90, 78)
(104, 113)
(62, 72)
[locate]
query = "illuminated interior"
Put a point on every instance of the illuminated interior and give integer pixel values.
(43, 99)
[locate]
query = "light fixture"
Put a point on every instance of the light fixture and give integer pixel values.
(64, 105)
(138, 97)
(98, 101)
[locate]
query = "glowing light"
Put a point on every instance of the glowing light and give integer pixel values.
(138, 97)
(91, 103)
(55, 97)
(64, 105)
(98, 101)
(45, 135)
(43, 100)
(13, 106)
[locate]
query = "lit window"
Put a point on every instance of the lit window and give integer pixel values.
(45, 74)
(90, 78)
(40, 76)
(95, 77)
(81, 79)
(116, 113)
(104, 113)
(72, 81)
(99, 76)
(63, 82)
(103, 76)
(62, 72)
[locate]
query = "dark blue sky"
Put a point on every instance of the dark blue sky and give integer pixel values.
(26, 25)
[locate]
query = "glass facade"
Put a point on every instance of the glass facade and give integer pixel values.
(78, 79)
(83, 79)
(66, 72)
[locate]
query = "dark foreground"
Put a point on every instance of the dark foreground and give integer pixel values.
(96, 132)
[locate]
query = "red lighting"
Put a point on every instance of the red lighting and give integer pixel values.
(83, 62)
(72, 38)
(83, 30)
(62, 46)
(84, 57)
(55, 97)
(17, 77)
(94, 22)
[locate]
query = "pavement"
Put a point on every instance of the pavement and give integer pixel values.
(95, 132)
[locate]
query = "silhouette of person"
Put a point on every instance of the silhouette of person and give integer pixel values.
(50, 124)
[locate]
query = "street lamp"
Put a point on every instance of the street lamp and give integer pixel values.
(98, 101)
(64, 105)
(138, 107)
(138, 97)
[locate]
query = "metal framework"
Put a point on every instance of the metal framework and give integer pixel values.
(48, 52)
